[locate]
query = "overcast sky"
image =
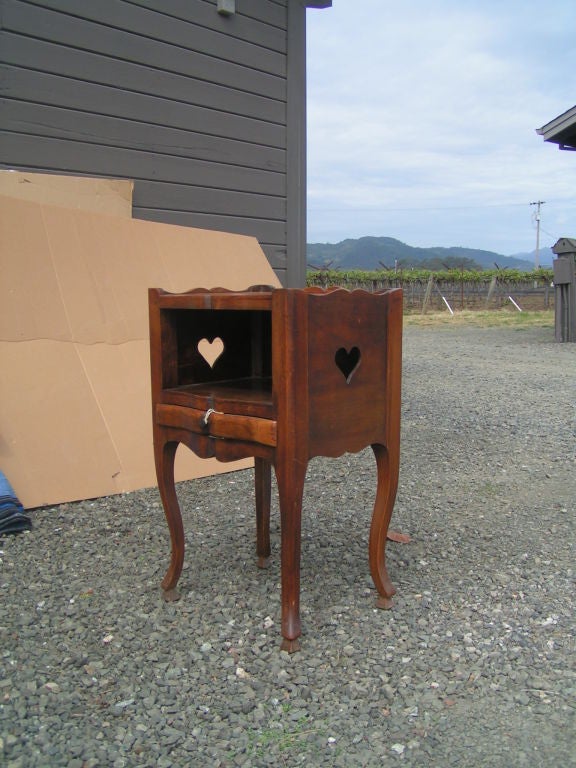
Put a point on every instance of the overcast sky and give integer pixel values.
(422, 118)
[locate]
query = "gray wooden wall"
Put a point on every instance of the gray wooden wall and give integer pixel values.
(205, 113)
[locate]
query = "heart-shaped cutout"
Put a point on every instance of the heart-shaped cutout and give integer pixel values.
(347, 362)
(211, 350)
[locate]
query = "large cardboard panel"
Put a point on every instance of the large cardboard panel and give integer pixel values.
(54, 443)
(75, 417)
(32, 305)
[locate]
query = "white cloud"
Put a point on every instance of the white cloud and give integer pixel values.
(422, 116)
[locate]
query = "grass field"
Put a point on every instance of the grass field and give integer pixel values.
(509, 318)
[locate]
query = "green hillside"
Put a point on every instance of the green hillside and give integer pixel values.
(370, 253)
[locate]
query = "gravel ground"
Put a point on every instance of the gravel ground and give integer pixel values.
(474, 666)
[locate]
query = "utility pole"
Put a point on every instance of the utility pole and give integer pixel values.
(537, 252)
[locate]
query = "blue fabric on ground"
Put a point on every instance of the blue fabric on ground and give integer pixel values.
(6, 489)
(12, 517)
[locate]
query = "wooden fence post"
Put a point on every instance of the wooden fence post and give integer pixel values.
(491, 290)
(427, 294)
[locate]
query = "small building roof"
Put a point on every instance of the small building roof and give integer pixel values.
(561, 130)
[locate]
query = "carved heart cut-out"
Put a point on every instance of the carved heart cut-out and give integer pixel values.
(348, 362)
(211, 350)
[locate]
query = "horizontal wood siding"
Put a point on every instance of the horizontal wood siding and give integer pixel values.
(66, 123)
(190, 105)
(97, 100)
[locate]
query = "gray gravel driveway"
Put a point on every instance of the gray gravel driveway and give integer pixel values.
(474, 666)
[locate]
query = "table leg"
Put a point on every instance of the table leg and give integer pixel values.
(387, 464)
(164, 453)
(290, 477)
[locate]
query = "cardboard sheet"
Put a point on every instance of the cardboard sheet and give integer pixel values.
(75, 417)
(99, 195)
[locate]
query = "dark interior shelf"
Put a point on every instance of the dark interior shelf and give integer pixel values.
(249, 396)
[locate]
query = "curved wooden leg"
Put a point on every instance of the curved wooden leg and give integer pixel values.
(290, 481)
(387, 463)
(164, 453)
(262, 488)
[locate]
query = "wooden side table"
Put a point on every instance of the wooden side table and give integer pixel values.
(281, 375)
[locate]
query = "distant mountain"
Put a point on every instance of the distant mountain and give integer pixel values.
(545, 257)
(371, 253)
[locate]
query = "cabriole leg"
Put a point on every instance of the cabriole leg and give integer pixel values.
(290, 481)
(164, 453)
(387, 463)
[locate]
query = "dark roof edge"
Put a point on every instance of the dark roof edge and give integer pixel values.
(318, 3)
(560, 124)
